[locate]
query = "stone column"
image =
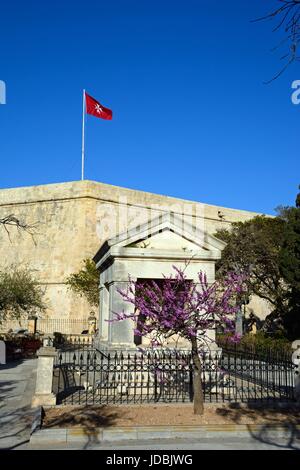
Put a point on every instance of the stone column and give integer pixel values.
(296, 362)
(239, 322)
(2, 352)
(103, 312)
(210, 333)
(44, 377)
(31, 324)
(120, 333)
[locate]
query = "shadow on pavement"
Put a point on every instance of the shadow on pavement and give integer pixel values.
(11, 364)
(87, 418)
(279, 425)
(15, 426)
(289, 430)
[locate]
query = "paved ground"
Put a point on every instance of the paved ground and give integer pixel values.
(180, 444)
(17, 384)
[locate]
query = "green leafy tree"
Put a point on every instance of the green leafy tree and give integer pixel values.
(20, 293)
(289, 263)
(253, 247)
(86, 282)
(268, 250)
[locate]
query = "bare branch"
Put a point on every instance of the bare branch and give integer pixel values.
(12, 221)
(271, 15)
(280, 72)
(288, 15)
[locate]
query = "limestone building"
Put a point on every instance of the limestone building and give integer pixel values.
(73, 221)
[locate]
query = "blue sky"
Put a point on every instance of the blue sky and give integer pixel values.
(192, 117)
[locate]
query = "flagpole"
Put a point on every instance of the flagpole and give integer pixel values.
(82, 150)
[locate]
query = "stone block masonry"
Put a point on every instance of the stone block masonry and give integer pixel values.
(74, 219)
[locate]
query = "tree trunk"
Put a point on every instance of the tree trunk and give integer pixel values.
(197, 382)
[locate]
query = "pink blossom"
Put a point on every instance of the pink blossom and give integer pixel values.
(179, 306)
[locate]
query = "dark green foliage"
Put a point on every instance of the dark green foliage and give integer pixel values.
(86, 282)
(19, 293)
(268, 249)
(258, 343)
(253, 247)
(289, 262)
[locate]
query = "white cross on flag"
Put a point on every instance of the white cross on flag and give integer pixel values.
(96, 109)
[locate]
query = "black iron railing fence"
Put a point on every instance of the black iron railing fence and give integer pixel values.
(68, 326)
(87, 376)
(72, 342)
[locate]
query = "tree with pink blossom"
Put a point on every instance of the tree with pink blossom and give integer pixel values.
(178, 306)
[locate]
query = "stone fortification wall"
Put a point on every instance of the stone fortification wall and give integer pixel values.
(74, 219)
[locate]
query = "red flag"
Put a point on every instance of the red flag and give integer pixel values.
(96, 109)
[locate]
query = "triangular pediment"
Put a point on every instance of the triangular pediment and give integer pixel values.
(166, 239)
(168, 232)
